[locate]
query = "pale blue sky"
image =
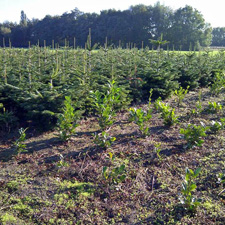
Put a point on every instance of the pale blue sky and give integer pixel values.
(213, 11)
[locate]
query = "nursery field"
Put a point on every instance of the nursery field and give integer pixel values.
(115, 137)
(35, 81)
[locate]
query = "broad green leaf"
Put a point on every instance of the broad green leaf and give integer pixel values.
(197, 171)
(192, 187)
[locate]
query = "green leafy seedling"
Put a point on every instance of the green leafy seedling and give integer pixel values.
(180, 94)
(214, 107)
(221, 178)
(158, 150)
(216, 126)
(103, 139)
(19, 143)
(114, 174)
(140, 117)
(198, 105)
(167, 113)
(193, 134)
(68, 120)
(188, 186)
(218, 84)
(62, 162)
(106, 104)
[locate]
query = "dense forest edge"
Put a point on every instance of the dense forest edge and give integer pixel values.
(184, 28)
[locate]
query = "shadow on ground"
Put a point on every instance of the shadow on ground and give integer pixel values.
(6, 154)
(39, 145)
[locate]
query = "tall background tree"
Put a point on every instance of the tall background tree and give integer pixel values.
(218, 36)
(189, 29)
(184, 27)
(20, 35)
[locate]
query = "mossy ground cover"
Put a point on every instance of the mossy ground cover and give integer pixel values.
(62, 183)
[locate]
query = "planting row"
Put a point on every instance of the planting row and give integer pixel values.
(35, 81)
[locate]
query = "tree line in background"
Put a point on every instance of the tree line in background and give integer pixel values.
(184, 28)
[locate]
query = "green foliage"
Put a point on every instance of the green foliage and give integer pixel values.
(188, 26)
(104, 110)
(188, 186)
(214, 107)
(76, 188)
(193, 134)
(35, 80)
(68, 120)
(158, 150)
(218, 36)
(160, 75)
(189, 71)
(167, 113)
(158, 103)
(7, 119)
(114, 174)
(7, 218)
(19, 143)
(12, 186)
(169, 117)
(216, 126)
(103, 139)
(198, 105)
(62, 162)
(180, 94)
(23, 208)
(158, 43)
(140, 117)
(221, 178)
(106, 104)
(218, 84)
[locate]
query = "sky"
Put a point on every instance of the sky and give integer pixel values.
(212, 11)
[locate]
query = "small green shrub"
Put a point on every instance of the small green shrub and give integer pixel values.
(167, 113)
(214, 107)
(193, 134)
(62, 163)
(106, 104)
(158, 150)
(103, 139)
(218, 84)
(19, 143)
(140, 117)
(198, 109)
(198, 106)
(12, 186)
(114, 174)
(188, 186)
(68, 120)
(216, 126)
(23, 209)
(158, 103)
(221, 178)
(169, 117)
(180, 94)
(105, 112)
